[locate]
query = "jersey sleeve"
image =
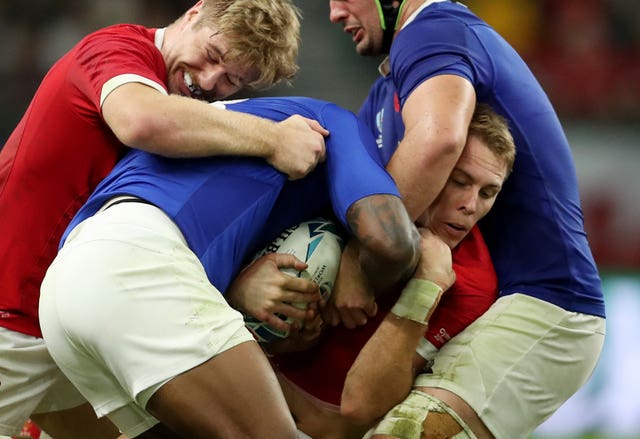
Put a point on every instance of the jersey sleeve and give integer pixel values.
(354, 167)
(427, 48)
(114, 56)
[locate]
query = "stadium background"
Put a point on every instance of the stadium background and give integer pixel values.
(586, 53)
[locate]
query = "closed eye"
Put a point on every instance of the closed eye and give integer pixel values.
(214, 57)
(459, 182)
(234, 80)
(489, 193)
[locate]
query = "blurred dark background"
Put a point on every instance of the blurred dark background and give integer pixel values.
(586, 54)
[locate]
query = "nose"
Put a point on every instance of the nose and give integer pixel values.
(337, 13)
(209, 77)
(469, 202)
(214, 85)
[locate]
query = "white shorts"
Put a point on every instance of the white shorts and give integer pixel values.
(126, 306)
(517, 363)
(30, 382)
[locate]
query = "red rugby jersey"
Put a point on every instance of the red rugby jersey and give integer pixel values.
(55, 157)
(321, 371)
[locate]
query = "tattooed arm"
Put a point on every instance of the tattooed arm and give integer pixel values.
(384, 253)
(389, 243)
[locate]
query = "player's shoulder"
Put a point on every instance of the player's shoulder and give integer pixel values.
(441, 22)
(280, 107)
(445, 11)
(117, 35)
(123, 29)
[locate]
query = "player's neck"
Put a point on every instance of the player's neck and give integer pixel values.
(410, 8)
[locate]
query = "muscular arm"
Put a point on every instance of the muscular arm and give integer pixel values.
(371, 389)
(383, 372)
(389, 243)
(176, 126)
(436, 117)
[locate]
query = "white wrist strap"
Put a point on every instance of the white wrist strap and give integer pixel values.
(417, 299)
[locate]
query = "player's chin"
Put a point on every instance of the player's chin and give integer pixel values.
(367, 47)
(364, 50)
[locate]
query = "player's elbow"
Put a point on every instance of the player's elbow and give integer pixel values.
(453, 143)
(395, 252)
(133, 131)
(443, 151)
(389, 241)
(357, 408)
(145, 131)
(384, 229)
(439, 149)
(357, 414)
(399, 248)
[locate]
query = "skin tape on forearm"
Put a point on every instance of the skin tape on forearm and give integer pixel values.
(406, 419)
(416, 300)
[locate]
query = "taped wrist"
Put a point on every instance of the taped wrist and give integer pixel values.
(417, 300)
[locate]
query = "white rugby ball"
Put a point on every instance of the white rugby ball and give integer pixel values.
(316, 242)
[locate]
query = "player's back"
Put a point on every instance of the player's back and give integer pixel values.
(229, 207)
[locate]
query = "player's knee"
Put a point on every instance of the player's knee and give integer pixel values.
(439, 425)
(421, 416)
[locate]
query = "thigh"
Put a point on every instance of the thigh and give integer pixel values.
(234, 394)
(518, 362)
(76, 423)
(159, 431)
(126, 307)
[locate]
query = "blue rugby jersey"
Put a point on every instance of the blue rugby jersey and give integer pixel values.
(535, 232)
(229, 207)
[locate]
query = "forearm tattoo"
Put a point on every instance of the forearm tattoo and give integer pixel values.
(371, 216)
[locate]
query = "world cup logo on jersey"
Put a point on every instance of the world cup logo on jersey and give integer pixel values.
(379, 120)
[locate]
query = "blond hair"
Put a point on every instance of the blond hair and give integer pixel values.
(261, 33)
(493, 130)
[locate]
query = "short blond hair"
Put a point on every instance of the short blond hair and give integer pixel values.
(261, 33)
(493, 130)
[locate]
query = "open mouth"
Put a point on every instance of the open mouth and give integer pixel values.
(357, 33)
(193, 89)
(456, 227)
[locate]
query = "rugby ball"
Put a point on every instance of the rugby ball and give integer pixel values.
(316, 242)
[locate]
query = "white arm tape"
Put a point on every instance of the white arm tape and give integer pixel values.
(426, 349)
(417, 299)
